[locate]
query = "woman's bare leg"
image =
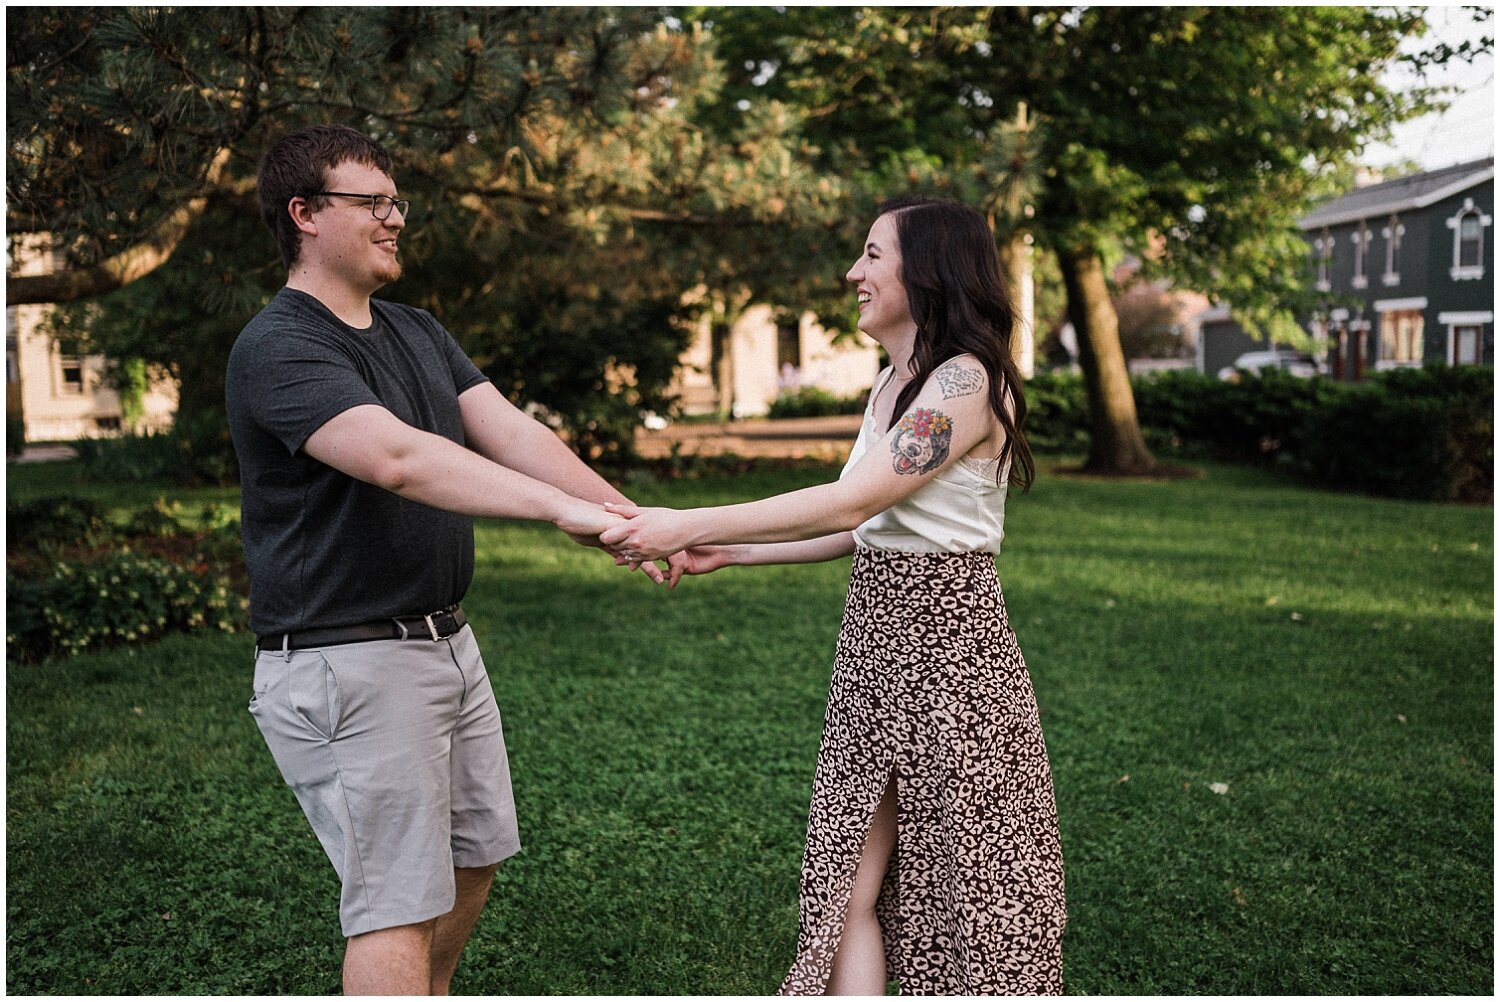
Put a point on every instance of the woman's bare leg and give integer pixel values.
(859, 962)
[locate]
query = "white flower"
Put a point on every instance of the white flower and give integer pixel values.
(1219, 788)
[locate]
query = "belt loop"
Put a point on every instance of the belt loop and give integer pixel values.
(401, 626)
(286, 647)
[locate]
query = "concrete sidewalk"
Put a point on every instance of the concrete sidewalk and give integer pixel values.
(45, 454)
(824, 438)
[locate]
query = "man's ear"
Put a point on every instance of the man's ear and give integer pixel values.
(302, 215)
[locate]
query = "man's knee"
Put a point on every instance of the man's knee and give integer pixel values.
(471, 884)
(393, 961)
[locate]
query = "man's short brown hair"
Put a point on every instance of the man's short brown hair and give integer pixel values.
(298, 164)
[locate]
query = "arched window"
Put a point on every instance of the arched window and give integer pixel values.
(1469, 240)
(1468, 226)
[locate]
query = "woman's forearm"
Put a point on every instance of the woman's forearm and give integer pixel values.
(806, 551)
(808, 514)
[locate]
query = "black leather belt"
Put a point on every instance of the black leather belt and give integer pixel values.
(433, 626)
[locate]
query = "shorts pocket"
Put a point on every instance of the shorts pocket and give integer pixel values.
(313, 692)
(266, 671)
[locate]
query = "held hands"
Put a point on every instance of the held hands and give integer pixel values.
(647, 533)
(606, 526)
(583, 521)
(654, 531)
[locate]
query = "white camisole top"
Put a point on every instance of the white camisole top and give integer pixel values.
(959, 510)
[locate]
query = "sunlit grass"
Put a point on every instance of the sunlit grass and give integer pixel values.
(1325, 659)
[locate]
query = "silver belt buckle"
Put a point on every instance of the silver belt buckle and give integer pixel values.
(432, 626)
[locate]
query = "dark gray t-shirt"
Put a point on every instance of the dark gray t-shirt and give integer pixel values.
(322, 548)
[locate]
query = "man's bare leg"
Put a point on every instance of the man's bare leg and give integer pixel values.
(859, 961)
(395, 961)
(471, 887)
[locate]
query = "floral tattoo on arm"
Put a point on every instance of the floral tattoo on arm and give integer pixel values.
(922, 440)
(956, 381)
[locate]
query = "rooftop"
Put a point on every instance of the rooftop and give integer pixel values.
(1400, 194)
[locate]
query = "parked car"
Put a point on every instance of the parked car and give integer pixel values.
(1297, 363)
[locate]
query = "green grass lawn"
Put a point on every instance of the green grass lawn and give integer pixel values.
(1326, 658)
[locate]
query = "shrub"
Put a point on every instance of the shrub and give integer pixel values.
(15, 435)
(1424, 434)
(1057, 413)
(1261, 416)
(1409, 433)
(198, 450)
(811, 401)
(122, 599)
(69, 589)
(163, 518)
(51, 522)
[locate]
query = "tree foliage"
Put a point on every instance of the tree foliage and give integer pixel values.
(588, 178)
(1192, 137)
(567, 201)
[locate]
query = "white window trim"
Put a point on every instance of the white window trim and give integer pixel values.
(1466, 317)
(1360, 238)
(1324, 244)
(1392, 233)
(1411, 303)
(1453, 326)
(61, 388)
(1415, 304)
(1461, 273)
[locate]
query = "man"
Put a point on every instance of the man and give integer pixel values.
(367, 441)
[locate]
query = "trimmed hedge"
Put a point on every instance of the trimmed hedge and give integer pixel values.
(52, 522)
(196, 450)
(810, 401)
(1057, 412)
(1424, 434)
(1421, 434)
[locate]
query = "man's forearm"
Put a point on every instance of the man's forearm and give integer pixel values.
(537, 452)
(457, 479)
(370, 444)
(501, 432)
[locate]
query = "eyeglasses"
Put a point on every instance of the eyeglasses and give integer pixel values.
(380, 205)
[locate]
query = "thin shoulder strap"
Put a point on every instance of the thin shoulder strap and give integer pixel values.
(890, 374)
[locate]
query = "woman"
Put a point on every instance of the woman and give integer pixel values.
(932, 848)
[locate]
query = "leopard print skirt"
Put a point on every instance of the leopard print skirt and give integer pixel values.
(929, 687)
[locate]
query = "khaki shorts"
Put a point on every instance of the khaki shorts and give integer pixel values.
(395, 751)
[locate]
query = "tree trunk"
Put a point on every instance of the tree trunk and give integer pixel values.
(1115, 441)
(722, 354)
(1016, 263)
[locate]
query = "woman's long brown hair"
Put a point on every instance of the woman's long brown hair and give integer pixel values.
(959, 303)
